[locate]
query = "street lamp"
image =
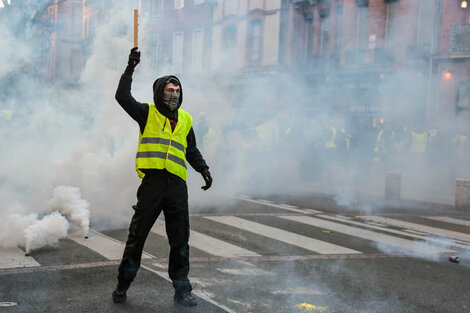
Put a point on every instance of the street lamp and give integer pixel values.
(446, 75)
(463, 4)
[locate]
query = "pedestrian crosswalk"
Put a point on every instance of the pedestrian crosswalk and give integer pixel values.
(302, 229)
(291, 238)
(207, 243)
(369, 234)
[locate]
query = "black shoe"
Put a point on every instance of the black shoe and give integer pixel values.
(119, 294)
(185, 298)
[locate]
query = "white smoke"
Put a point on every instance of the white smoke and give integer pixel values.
(31, 232)
(68, 201)
(12, 227)
(46, 231)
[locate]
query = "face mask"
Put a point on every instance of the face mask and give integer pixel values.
(171, 100)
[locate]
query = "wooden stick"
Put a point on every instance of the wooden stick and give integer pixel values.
(136, 28)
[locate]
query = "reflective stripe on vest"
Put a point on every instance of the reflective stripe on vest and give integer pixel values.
(162, 148)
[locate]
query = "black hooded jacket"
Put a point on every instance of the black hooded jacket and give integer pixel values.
(139, 112)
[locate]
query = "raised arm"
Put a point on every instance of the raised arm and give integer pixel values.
(138, 111)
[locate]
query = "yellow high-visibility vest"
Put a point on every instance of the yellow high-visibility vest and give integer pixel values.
(209, 137)
(419, 142)
(460, 142)
(330, 144)
(160, 147)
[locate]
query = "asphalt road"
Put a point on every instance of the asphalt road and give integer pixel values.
(288, 254)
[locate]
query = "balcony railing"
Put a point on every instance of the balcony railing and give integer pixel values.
(460, 39)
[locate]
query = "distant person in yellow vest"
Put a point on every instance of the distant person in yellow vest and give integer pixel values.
(461, 151)
(7, 114)
(267, 135)
(419, 141)
(166, 144)
(385, 143)
(460, 141)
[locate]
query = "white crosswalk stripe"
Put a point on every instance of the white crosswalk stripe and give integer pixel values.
(405, 232)
(297, 240)
(419, 227)
(448, 220)
(108, 247)
(286, 207)
(207, 244)
(368, 234)
(410, 236)
(15, 257)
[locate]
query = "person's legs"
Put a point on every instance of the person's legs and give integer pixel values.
(177, 229)
(149, 198)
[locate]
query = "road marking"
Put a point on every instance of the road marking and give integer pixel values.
(405, 232)
(448, 220)
(207, 244)
(280, 206)
(108, 247)
(15, 257)
(418, 227)
(5, 304)
(368, 234)
(304, 242)
(111, 249)
(215, 259)
(200, 294)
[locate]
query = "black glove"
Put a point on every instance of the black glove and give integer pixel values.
(207, 178)
(134, 57)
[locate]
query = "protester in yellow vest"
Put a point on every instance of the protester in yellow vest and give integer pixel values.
(459, 143)
(166, 144)
(419, 141)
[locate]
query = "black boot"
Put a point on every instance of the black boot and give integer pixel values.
(119, 294)
(185, 298)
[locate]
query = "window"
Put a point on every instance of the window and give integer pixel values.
(391, 31)
(229, 42)
(179, 4)
(197, 58)
(362, 31)
(177, 53)
(463, 102)
(425, 25)
(229, 37)
(324, 40)
(255, 43)
(308, 18)
(154, 52)
(152, 8)
(77, 18)
(339, 29)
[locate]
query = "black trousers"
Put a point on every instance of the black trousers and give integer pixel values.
(159, 193)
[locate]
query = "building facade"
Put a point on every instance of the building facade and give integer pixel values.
(407, 59)
(450, 63)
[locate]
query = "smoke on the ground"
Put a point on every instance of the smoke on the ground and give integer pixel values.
(33, 231)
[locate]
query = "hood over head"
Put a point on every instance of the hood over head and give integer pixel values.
(158, 87)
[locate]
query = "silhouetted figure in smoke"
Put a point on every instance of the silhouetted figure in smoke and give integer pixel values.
(386, 147)
(461, 150)
(166, 142)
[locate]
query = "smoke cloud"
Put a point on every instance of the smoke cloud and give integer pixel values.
(67, 200)
(269, 134)
(46, 231)
(33, 231)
